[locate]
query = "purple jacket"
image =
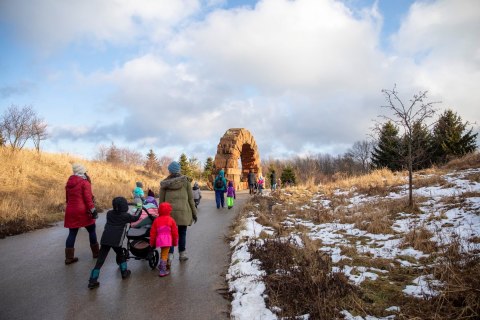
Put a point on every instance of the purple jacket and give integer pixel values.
(231, 191)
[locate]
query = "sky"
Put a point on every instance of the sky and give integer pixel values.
(303, 76)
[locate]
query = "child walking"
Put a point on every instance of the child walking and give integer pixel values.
(230, 195)
(112, 238)
(138, 194)
(197, 194)
(164, 234)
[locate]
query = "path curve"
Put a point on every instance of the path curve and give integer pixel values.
(36, 284)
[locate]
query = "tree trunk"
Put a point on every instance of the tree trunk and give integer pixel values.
(410, 175)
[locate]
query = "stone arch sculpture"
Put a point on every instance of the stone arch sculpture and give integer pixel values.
(237, 144)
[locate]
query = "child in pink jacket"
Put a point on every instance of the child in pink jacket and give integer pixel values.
(164, 234)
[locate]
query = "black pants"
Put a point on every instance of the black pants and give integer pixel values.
(102, 255)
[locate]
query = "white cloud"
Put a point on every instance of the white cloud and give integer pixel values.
(50, 24)
(440, 40)
(303, 76)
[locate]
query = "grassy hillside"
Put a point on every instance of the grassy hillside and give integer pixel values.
(353, 249)
(32, 187)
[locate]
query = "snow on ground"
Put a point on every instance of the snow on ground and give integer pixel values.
(446, 219)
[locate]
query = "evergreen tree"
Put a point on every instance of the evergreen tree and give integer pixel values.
(387, 153)
(2, 140)
(152, 164)
(288, 176)
(184, 167)
(421, 146)
(449, 138)
(208, 168)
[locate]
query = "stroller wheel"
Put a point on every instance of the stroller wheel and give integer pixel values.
(153, 259)
(125, 253)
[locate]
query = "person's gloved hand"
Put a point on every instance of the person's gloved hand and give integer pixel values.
(94, 213)
(195, 218)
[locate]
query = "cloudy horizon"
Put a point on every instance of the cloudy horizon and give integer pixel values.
(303, 76)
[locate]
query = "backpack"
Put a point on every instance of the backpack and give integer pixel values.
(219, 183)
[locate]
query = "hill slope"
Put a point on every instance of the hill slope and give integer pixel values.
(32, 187)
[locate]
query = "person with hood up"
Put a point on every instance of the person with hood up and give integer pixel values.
(230, 194)
(79, 212)
(176, 190)
(112, 238)
(197, 194)
(163, 235)
(138, 194)
(220, 187)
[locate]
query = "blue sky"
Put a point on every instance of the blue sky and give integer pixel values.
(304, 76)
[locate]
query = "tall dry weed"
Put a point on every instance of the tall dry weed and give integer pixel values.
(32, 187)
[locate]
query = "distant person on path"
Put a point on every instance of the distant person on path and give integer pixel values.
(230, 195)
(79, 212)
(220, 187)
(112, 238)
(176, 190)
(261, 183)
(252, 180)
(197, 194)
(138, 194)
(163, 235)
(273, 180)
(279, 183)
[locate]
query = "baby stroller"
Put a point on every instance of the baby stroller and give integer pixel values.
(138, 237)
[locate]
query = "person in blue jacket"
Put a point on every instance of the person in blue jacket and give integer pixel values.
(220, 187)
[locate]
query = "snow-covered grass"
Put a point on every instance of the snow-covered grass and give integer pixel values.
(401, 260)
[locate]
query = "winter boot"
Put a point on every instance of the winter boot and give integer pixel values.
(183, 256)
(95, 250)
(162, 268)
(70, 256)
(169, 261)
(124, 271)
(93, 281)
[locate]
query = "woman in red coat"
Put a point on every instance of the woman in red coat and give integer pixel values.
(80, 212)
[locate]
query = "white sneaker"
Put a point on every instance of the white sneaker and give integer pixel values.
(183, 256)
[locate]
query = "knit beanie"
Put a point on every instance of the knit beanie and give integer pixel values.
(78, 168)
(174, 167)
(164, 209)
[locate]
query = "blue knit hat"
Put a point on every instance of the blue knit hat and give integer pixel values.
(174, 167)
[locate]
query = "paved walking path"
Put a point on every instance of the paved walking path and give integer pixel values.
(36, 284)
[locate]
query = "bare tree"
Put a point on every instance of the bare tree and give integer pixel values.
(361, 151)
(407, 116)
(38, 132)
(16, 125)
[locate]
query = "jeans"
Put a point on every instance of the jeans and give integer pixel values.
(182, 239)
(274, 186)
(72, 235)
(220, 198)
(102, 255)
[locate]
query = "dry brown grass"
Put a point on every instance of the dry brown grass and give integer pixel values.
(471, 160)
(301, 281)
(378, 182)
(32, 187)
(420, 239)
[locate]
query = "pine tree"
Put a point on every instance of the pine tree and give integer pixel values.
(2, 140)
(421, 146)
(208, 168)
(387, 153)
(152, 164)
(184, 167)
(449, 139)
(288, 176)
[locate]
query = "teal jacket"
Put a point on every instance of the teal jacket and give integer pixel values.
(221, 176)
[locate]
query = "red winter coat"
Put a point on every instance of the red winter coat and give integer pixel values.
(164, 231)
(79, 202)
